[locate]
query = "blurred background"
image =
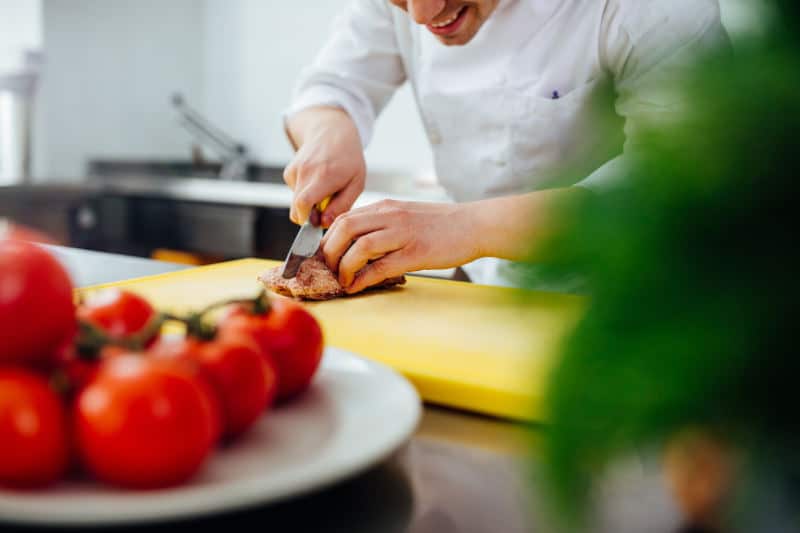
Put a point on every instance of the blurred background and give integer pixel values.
(112, 67)
(154, 129)
(96, 153)
(89, 115)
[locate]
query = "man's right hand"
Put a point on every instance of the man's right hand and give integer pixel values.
(329, 162)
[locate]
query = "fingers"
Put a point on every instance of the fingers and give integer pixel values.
(344, 231)
(313, 186)
(313, 191)
(290, 175)
(367, 248)
(342, 201)
(389, 266)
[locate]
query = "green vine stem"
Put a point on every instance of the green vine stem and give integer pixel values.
(198, 326)
(91, 339)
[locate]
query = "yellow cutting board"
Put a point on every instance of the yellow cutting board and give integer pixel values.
(473, 347)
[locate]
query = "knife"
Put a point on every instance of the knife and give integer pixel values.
(305, 244)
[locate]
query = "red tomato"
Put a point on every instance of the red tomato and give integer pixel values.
(33, 434)
(37, 314)
(79, 370)
(118, 312)
(242, 378)
(144, 423)
(289, 334)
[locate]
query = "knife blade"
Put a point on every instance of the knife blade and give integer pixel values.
(305, 244)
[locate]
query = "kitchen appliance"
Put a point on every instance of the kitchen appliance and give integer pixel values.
(16, 116)
(473, 347)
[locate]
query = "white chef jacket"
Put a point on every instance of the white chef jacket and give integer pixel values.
(512, 111)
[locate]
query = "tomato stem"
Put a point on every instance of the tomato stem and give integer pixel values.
(261, 304)
(91, 339)
(198, 327)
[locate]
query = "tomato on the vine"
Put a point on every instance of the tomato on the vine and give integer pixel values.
(119, 313)
(287, 332)
(37, 313)
(33, 430)
(145, 423)
(75, 370)
(244, 381)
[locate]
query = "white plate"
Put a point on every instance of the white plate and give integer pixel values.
(356, 414)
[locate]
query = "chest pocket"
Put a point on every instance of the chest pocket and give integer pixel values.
(470, 133)
(558, 141)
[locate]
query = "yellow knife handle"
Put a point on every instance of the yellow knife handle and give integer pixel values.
(314, 218)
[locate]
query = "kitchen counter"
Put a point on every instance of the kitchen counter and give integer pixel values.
(459, 473)
(87, 267)
(214, 191)
(136, 214)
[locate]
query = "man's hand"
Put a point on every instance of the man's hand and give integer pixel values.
(329, 162)
(373, 243)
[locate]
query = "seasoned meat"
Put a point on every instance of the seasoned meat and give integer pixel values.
(314, 281)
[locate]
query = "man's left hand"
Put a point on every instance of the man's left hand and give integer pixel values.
(371, 244)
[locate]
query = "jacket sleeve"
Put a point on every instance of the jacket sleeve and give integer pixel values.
(645, 46)
(358, 69)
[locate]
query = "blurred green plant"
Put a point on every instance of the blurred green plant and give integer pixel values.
(692, 267)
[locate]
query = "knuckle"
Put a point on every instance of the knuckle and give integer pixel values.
(344, 224)
(379, 269)
(367, 244)
(326, 168)
(289, 174)
(303, 199)
(321, 169)
(305, 168)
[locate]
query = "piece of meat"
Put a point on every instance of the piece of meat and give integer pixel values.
(314, 281)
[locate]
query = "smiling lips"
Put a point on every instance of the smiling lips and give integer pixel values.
(449, 25)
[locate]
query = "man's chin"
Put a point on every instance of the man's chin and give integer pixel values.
(460, 39)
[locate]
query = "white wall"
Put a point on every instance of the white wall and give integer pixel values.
(110, 68)
(112, 64)
(254, 51)
(20, 30)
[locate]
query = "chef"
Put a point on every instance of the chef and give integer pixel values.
(524, 102)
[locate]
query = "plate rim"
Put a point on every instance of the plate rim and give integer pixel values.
(309, 483)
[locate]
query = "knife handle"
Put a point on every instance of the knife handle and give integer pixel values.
(314, 218)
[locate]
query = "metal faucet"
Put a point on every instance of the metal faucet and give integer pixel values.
(233, 154)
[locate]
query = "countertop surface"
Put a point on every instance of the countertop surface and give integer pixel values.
(87, 267)
(459, 473)
(214, 191)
